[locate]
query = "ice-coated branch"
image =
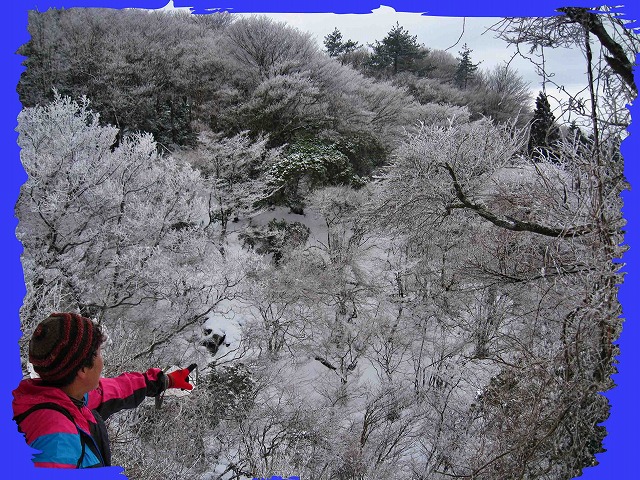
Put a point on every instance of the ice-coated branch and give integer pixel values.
(511, 223)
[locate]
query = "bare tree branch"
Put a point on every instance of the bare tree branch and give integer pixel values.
(618, 61)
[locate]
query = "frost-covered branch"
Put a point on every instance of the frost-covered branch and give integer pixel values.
(512, 223)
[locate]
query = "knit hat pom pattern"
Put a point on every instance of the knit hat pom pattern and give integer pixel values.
(60, 344)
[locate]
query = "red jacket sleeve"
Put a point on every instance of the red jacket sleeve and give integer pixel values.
(127, 390)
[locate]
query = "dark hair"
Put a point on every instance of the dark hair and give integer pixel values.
(98, 339)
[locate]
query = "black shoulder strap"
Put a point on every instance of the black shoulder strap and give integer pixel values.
(53, 406)
(46, 405)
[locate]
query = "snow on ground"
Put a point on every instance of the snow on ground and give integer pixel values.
(312, 220)
(227, 320)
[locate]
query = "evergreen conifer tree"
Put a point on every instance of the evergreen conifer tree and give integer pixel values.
(336, 47)
(398, 50)
(466, 68)
(544, 131)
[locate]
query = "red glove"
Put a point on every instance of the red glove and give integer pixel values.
(180, 378)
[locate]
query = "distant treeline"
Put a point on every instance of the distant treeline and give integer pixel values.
(176, 75)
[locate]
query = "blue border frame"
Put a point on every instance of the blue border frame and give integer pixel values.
(620, 460)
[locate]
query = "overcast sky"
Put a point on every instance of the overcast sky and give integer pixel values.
(442, 33)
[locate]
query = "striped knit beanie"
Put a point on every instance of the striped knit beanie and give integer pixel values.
(60, 344)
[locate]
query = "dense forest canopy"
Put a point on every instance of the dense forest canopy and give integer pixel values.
(412, 261)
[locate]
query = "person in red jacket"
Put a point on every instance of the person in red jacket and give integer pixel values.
(62, 413)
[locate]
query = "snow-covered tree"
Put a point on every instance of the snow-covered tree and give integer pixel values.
(264, 48)
(451, 317)
(113, 231)
(307, 165)
(505, 96)
(397, 51)
(519, 291)
(234, 174)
